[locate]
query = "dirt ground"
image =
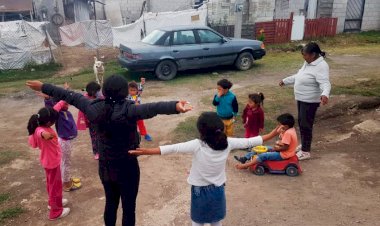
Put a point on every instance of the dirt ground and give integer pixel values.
(339, 185)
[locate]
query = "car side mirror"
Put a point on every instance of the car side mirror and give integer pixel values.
(223, 40)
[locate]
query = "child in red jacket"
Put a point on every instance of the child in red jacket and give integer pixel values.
(253, 115)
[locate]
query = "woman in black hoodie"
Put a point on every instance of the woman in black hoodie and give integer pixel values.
(115, 119)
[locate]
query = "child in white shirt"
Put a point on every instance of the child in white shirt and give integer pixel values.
(207, 175)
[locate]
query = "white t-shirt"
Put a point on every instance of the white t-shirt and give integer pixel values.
(208, 165)
(311, 82)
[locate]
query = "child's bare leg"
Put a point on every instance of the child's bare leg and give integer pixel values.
(219, 223)
(196, 224)
(247, 164)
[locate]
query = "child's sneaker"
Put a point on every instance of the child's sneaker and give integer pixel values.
(299, 148)
(148, 137)
(64, 203)
(64, 213)
(303, 155)
(96, 156)
(241, 159)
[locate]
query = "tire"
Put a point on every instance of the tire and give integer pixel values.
(292, 171)
(166, 70)
(260, 170)
(244, 61)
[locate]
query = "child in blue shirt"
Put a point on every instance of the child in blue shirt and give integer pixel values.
(226, 106)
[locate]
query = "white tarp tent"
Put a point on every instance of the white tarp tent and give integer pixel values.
(132, 32)
(23, 42)
(84, 32)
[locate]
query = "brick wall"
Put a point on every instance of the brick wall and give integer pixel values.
(371, 16)
(283, 8)
(223, 11)
(325, 8)
(339, 11)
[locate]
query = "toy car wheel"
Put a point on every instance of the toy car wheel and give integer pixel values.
(260, 170)
(292, 171)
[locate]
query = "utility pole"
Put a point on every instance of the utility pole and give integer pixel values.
(96, 30)
(238, 18)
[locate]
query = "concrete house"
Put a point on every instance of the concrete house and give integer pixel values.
(353, 15)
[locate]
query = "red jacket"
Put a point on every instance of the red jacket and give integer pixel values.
(254, 119)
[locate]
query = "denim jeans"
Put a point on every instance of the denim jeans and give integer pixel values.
(271, 156)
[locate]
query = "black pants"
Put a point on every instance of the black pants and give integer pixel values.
(306, 116)
(120, 179)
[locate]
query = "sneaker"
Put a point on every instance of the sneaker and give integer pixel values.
(64, 203)
(148, 137)
(303, 155)
(299, 148)
(96, 156)
(64, 213)
(240, 159)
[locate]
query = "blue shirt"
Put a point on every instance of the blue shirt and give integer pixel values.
(226, 106)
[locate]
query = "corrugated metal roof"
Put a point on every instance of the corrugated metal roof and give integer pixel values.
(15, 5)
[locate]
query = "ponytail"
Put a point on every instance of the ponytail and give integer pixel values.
(42, 118)
(313, 48)
(33, 124)
(262, 98)
(257, 98)
(210, 128)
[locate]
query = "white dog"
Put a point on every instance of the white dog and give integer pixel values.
(98, 71)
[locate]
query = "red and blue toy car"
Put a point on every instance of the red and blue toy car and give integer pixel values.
(290, 167)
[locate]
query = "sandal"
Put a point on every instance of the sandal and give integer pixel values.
(75, 180)
(73, 187)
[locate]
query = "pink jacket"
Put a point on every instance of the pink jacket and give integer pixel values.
(50, 155)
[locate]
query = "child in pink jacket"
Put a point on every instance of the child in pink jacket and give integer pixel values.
(42, 136)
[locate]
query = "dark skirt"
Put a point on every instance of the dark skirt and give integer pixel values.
(208, 204)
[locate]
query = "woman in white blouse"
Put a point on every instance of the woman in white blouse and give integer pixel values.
(207, 175)
(311, 88)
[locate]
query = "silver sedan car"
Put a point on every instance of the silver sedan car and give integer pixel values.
(169, 50)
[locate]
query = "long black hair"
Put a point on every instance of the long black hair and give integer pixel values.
(42, 118)
(313, 47)
(257, 98)
(210, 128)
(115, 90)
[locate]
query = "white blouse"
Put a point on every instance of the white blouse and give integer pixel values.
(311, 82)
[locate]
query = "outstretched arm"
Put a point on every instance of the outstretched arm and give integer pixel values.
(146, 111)
(186, 147)
(73, 98)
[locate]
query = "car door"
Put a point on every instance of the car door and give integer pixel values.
(216, 50)
(186, 49)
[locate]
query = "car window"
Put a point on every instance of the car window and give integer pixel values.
(153, 37)
(167, 41)
(183, 37)
(208, 36)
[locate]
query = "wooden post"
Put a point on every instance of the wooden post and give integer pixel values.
(290, 26)
(48, 41)
(96, 30)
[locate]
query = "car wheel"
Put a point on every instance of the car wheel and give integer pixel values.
(292, 171)
(244, 61)
(166, 70)
(260, 170)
